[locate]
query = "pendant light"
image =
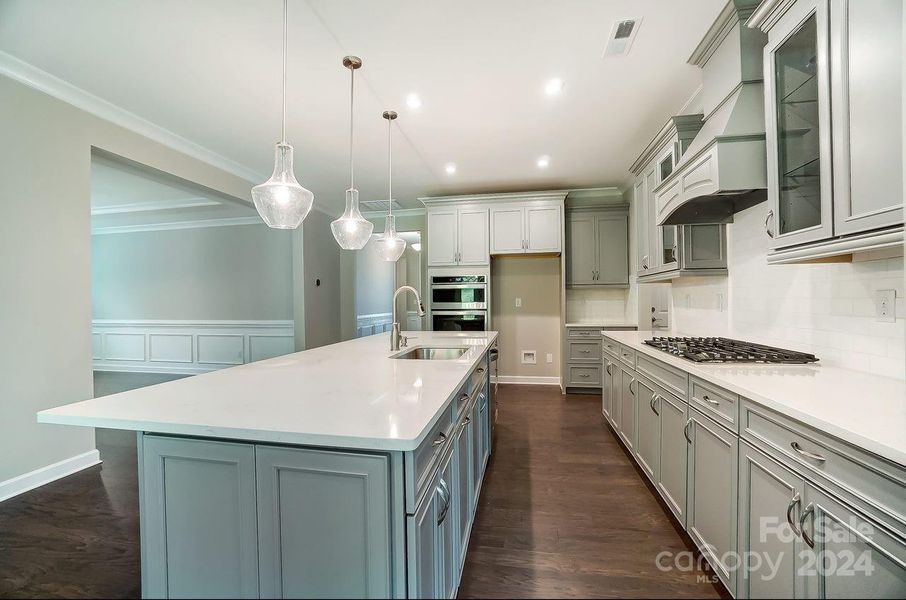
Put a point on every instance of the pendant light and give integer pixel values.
(389, 245)
(281, 201)
(352, 231)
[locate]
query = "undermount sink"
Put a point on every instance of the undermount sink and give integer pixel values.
(428, 353)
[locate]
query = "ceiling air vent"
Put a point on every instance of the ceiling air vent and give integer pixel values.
(621, 35)
(379, 205)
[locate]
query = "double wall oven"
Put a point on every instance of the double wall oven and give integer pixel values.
(459, 302)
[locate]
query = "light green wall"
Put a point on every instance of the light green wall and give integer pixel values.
(45, 244)
(238, 272)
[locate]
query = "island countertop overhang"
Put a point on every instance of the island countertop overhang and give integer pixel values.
(346, 395)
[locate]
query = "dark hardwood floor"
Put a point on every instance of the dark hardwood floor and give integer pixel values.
(564, 513)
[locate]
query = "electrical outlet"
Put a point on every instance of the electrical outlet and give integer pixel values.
(529, 357)
(720, 302)
(518, 302)
(550, 357)
(886, 302)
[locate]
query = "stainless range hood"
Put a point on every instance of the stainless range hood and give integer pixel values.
(724, 169)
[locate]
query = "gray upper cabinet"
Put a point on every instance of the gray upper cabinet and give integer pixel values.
(834, 124)
(866, 49)
(323, 524)
(598, 248)
(712, 489)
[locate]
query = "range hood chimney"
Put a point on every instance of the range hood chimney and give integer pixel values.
(724, 169)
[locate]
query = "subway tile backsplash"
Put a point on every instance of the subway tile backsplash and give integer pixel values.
(827, 309)
(594, 305)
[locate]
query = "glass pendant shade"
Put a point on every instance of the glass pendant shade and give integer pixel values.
(352, 231)
(281, 201)
(389, 245)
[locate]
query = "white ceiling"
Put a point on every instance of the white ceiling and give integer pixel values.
(209, 70)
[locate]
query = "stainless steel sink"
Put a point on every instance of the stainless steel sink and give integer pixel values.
(429, 353)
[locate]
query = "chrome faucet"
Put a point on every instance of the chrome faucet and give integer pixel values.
(395, 336)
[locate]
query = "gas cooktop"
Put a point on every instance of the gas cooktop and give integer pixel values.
(723, 350)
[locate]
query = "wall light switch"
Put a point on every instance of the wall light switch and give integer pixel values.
(529, 357)
(518, 302)
(550, 357)
(886, 301)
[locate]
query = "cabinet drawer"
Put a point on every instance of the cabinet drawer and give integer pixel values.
(478, 378)
(584, 332)
(612, 347)
(584, 351)
(627, 355)
(582, 375)
(422, 461)
(852, 472)
(721, 405)
(674, 380)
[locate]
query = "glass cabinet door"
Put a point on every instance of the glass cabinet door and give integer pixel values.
(798, 131)
(668, 245)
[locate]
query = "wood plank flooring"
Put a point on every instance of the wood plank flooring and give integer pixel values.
(564, 513)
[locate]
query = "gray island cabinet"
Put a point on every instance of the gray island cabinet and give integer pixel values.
(233, 508)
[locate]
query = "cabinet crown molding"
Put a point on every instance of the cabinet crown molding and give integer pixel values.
(556, 195)
(675, 125)
(732, 14)
(767, 13)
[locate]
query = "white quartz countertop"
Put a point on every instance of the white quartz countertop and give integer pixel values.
(603, 323)
(349, 395)
(866, 410)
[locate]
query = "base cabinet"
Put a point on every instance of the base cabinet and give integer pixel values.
(431, 539)
(607, 389)
(626, 422)
(648, 438)
(711, 492)
(671, 481)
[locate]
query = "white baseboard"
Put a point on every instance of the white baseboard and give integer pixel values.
(526, 380)
(38, 477)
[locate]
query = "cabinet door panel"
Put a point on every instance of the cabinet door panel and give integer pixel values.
(640, 201)
(485, 425)
(612, 233)
(648, 439)
(853, 556)
(703, 246)
(712, 489)
(473, 237)
(477, 454)
(867, 98)
(654, 232)
(442, 237)
(324, 524)
(672, 476)
(797, 119)
(422, 545)
(542, 229)
(448, 566)
(507, 230)
(198, 519)
(465, 483)
(607, 389)
(627, 408)
(768, 492)
(581, 258)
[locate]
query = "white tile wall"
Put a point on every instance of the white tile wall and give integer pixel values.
(595, 304)
(826, 309)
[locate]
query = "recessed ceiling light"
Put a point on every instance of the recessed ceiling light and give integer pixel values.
(553, 87)
(450, 168)
(413, 101)
(543, 162)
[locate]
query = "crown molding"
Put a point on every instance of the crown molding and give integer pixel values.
(196, 224)
(153, 205)
(32, 76)
(559, 195)
(730, 16)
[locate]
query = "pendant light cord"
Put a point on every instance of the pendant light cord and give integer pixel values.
(390, 166)
(283, 131)
(351, 116)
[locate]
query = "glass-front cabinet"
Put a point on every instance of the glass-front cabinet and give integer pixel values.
(834, 93)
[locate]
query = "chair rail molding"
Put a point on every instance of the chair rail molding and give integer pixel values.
(185, 347)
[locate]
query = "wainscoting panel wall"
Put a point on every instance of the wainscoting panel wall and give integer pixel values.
(186, 346)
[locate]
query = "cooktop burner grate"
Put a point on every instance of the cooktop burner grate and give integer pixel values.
(721, 350)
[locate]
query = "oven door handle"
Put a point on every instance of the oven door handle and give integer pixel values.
(458, 286)
(445, 313)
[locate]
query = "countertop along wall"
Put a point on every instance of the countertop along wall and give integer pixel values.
(826, 309)
(45, 274)
(241, 272)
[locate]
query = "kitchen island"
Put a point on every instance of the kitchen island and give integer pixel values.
(338, 471)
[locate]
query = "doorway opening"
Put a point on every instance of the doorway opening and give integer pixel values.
(375, 282)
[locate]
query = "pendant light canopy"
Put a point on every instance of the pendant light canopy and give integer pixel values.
(281, 201)
(352, 231)
(389, 245)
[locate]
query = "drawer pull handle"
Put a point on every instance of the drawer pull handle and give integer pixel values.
(631, 390)
(465, 422)
(463, 397)
(809, 511)
(607, 368)
(686, 431)
(584, 351)
(789, 513)
(441, 438)
(583, 374)
(480, 369)
(795, 446)
(654, 399)
(710, 401)
(445, 494)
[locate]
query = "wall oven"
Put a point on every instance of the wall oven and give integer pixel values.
(459, 320)
(459, 292)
